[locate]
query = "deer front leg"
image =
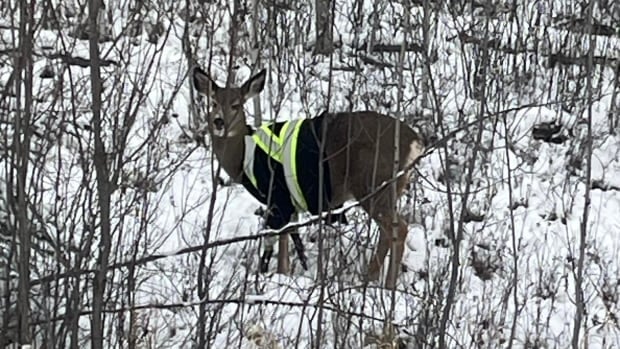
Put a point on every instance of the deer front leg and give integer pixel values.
(279, 216)
(268, 243)
(284, 266)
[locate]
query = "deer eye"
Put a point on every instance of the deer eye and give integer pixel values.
(236, 106)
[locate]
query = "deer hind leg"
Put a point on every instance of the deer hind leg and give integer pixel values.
(388, 242)
(397, 248)
(392, 234)
(283, 255)
(376, 261)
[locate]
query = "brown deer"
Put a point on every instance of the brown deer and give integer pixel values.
(358, 157)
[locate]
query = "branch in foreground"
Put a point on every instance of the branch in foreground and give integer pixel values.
(249, 300)
(284, 230)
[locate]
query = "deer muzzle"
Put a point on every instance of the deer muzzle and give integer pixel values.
(219, 127)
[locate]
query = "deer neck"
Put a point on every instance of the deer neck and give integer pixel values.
(229, 152)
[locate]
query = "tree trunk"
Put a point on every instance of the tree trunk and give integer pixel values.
(324, 29)
(255, 52)
(21, 159)
(103, 183)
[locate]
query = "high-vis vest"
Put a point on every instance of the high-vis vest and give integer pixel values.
(282, 148)
(281, 168)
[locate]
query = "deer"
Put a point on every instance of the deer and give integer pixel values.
(358, 149)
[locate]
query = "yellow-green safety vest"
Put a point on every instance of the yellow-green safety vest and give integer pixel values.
(282, 148)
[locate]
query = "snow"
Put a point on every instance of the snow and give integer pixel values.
(540, 225)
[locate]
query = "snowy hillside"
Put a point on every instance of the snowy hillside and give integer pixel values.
(524, 100)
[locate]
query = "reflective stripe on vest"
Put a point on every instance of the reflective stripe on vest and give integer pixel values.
(290, 164)
(248, 160)
(281, 148)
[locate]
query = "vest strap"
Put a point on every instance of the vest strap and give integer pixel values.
(291, 136)
(248, 160)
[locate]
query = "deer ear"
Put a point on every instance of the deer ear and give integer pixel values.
(254, 85)
(202, 82)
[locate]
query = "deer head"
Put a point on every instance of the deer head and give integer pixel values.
(227, 116)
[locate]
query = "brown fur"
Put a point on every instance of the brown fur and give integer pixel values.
(360, 148)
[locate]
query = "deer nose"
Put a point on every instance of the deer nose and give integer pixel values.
(218, 123)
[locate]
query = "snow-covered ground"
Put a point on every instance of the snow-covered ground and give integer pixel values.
(527, 196)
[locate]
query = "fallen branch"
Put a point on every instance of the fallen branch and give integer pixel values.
(393, 48)
(249, 300)
(79, 61)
